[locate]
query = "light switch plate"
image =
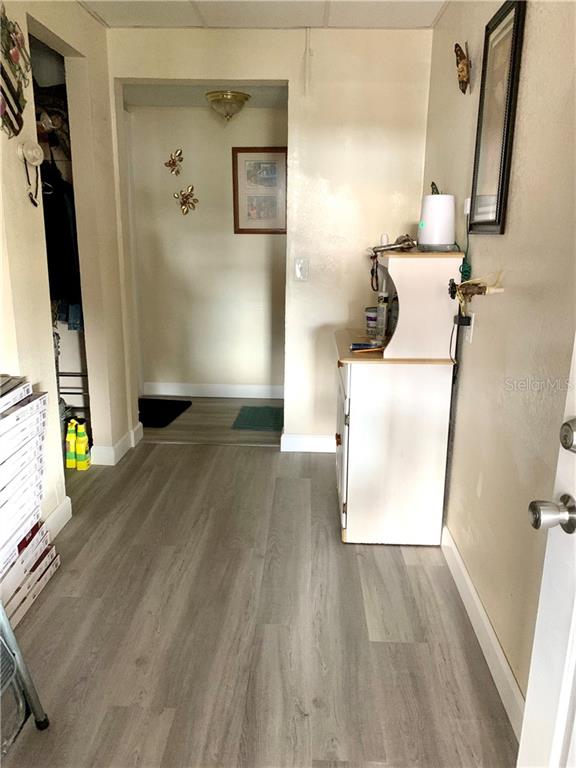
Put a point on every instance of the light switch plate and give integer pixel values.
(302, 269)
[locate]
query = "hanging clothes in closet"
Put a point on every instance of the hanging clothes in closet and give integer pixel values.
(59, 212)
(62, 245)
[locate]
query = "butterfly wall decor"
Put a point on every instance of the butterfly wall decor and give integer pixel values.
(174, 162)
(463, 66)
(186, 200)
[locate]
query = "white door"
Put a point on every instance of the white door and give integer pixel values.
(548, 732)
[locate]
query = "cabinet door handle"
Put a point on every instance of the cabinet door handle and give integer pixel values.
(338, 439)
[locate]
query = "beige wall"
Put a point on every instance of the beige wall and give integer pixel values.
(356, 140)
(8, 343)
(211, 303)
(26, 307)
(506, 438)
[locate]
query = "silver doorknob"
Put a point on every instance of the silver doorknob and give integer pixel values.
(568, 435)
(547, 514)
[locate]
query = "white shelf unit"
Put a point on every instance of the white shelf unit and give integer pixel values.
(393, 413)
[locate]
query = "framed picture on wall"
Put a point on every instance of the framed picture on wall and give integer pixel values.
(496, 115)
(259, 189)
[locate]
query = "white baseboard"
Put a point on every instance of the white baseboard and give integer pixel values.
(307, 443)
(59, 516)
(176, 389)
(136, 435)
(502, 674)
(109, 455)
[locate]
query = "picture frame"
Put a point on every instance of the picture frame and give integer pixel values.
(259, 190)
(496, 117)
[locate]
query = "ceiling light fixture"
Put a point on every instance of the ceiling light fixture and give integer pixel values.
(227, 103)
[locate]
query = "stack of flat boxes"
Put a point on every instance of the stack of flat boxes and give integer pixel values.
(27, 558)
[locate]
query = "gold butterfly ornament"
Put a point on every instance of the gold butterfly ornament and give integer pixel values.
(186, 200)
(174, 162)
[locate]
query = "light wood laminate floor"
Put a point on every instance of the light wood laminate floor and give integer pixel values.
(209, 421)
(207, 614)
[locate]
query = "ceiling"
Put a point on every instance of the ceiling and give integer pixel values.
(181, 95)
(267, 14)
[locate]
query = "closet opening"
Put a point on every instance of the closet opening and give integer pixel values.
(57, 189)
(210, 281)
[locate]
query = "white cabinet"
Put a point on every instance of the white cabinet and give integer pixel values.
(393, 413)
(391, 461)
(342, 449)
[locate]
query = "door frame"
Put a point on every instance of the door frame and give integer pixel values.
(83, 163)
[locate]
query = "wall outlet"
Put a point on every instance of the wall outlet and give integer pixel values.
(469, 329)
(302, 269)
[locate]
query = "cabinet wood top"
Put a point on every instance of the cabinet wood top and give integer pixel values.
(346, 336)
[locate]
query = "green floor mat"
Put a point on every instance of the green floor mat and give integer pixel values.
(263, 418)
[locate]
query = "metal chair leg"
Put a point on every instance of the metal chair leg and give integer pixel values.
(30, 692)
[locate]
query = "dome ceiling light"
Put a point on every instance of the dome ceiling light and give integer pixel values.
(227, 103)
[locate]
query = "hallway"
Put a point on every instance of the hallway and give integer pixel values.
(206, 614)
(209, 421)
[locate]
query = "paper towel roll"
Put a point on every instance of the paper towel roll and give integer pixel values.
(437, 220)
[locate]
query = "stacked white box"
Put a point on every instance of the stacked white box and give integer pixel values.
(27, 559)
(16, 614)
(21, 568)
(11, 549)
(12, 390)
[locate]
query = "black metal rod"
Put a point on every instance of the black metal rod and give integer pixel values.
(68, 373)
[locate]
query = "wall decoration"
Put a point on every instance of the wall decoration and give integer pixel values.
(463, 66)
(496, 116)
(186, 200)
(175, 162)
(259, 189)
(14, 69)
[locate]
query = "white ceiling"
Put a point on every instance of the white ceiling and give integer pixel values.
(267, 14)
(180, 95)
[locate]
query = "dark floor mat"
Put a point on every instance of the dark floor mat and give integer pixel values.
(263, 418)
(156, 413)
